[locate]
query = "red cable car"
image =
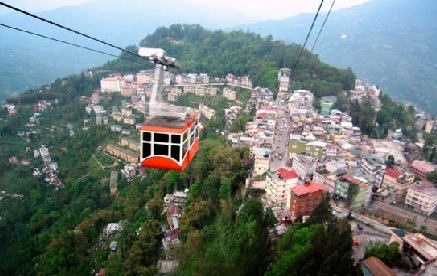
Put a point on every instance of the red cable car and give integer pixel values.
(169, 143)
(170, 135)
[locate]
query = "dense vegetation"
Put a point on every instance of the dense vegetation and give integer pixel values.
(242, 53)
(57, 231)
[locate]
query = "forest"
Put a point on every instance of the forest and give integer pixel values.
(224, 229)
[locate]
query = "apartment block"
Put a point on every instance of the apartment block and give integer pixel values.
(278, 184)
(422, 196)
(304, 198)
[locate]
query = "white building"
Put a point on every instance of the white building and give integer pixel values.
(261, 158)
(112, 84)
(278, 184)
(422, 196)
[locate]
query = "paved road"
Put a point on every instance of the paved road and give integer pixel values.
(280, 138)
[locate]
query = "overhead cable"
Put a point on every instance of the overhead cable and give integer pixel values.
(306, 39)
(68, 29)
(66, 42)
(323, 25)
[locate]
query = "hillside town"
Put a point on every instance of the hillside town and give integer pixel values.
(299, 155)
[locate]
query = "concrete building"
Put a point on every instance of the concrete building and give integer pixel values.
(297, 145)
(206, 111)
(420, 249)
(374, 165)
(326, 104)
(422, 168)
(422, 196)
(398, 181)
(373, 266)
(305, 166)
(284, 79)
(278, 184)
(111, 84)
(304, 198)
(261, 158)
(229, 94)
(363, 190)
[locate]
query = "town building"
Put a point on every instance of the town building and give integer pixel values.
(229, 94)
(358, 196)
(420, 249)
(397, 180)
(304, 198)
(297, 145)
(278, 184)
(261, 157)
(373, 266)
(284, 79)
(374, 165)
(422, 196)
(422, 168)
(125, 154)
(111, 84)
(305, 166)
(209, 113)
(326, 104)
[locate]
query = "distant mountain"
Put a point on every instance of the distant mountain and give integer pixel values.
(28, 61)
(390, 43)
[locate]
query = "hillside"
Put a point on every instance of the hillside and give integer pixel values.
(60, 228)
(389, 43)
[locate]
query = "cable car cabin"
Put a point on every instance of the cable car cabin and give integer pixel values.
(169, 143)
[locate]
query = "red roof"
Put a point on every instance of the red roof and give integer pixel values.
(392, 172)
(286, 174)
(303, 189)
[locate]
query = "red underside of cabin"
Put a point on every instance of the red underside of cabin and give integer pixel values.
(160, 162)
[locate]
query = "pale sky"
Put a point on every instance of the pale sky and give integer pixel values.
(257, 9)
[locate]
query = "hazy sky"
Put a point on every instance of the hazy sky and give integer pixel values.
(257, 9)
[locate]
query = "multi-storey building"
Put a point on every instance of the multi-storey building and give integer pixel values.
(305, 166)
(261, 157)
(316, 149)
(284, 79)
(206, 111)
(304, 198)
(374, 165)
(422, 168)
(422, 196)
(229, 94)
(112, 84)
(125, 154)
(398, 181)
(278, 184)
(363, 191)
(326, 104)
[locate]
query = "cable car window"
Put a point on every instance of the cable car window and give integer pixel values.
(160, 149)
(146, 150)
(175, 139)
(161, 138)
(147, 136)
(175, 152)
(192, 137)
(192, 127)
(196, 133)
(184, 149)
(185, 136)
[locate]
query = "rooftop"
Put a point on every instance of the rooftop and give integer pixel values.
(392, 172)
(286, 174)
(424, 188)
(378, 267)
(426, 247)
(303, 189)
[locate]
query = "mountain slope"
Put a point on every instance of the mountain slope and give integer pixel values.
(391, 43)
